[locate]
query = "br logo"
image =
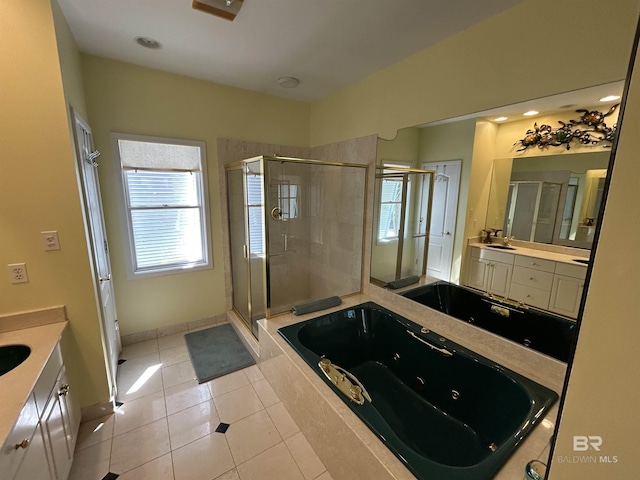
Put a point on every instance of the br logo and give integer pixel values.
(582, 443)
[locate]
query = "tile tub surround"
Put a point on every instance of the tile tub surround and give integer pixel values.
(16, 385)
(172, 428)
(344, 444)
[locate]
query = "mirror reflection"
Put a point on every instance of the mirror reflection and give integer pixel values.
(553, 199)
(402, 213)
(546, 194)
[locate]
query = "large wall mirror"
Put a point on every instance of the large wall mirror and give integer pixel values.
(485, 179)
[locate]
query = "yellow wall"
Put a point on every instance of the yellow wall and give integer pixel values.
(535, 49)
(453, 141)
(604, 393)
(39, 191)
(129, 99)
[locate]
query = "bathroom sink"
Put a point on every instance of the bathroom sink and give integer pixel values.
(581, 260)
(11, 356)
(501, 247)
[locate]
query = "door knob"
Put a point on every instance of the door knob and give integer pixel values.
(276, 213)
(447, 233)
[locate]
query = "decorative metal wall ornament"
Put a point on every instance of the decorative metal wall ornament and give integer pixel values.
(597, 132)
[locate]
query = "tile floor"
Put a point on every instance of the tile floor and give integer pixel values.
(171, 428)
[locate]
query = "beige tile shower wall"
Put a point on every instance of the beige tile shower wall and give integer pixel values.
(363, 151)
(335, 262)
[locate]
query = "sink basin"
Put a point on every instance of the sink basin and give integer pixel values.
(581, 260)
(501, 247)
(11, 356)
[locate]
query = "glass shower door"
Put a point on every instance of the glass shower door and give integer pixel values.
(237, 243)
(315, 216)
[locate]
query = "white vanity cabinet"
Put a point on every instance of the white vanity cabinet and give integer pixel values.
(566, 292)
(42, 441)
(490, 271)
(532, 280)
(542, 283)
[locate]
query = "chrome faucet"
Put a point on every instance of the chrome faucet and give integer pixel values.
(506, 241)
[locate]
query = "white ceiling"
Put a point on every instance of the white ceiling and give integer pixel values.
(327, 44)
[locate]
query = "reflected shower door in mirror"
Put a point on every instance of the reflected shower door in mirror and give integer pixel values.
(548, 199)
(402, 215)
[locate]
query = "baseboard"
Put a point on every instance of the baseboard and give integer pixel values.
(96, 411)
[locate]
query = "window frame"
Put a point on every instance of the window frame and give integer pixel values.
(125, 210)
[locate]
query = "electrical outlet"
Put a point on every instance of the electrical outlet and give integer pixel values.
(50, 240)
(18, 272)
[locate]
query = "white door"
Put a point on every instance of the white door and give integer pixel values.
(99, 246)
(443, 217)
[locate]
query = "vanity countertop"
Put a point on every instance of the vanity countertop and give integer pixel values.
(534, 252)
(17, 384)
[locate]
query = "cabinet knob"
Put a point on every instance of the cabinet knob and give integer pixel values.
(23, 444)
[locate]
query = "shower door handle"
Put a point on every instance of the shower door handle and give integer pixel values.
(276, 213)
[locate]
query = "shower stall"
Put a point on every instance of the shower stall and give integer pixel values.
(296, 230)
(402, 220)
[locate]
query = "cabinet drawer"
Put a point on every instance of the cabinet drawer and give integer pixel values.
(23, 431)
(575, 271)
(531, 296)
(535, 263)
(533, 278)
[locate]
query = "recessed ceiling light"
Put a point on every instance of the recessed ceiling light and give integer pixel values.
(288, 82)
(148, 42)
(531, 113)
(610, 98)
(500, 119)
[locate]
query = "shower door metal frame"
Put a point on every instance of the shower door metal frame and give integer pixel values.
(404, 172)
(263, 159)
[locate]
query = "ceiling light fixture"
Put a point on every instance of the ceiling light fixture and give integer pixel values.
(530, 113)
(227, 9)
(288, 82)
(610, 98)
(500, 119)
(148, 42)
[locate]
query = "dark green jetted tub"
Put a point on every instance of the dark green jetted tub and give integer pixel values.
(541, 331)
(443, 410)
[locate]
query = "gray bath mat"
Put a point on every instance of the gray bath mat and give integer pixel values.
(216, 351)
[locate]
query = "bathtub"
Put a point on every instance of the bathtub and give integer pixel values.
(541, 331)
(443, 410)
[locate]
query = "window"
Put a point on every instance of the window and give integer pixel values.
(164, 202)
(255, 210)
(391, 202)
(390, 208)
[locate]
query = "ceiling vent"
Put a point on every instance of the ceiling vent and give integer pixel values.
(227, 9)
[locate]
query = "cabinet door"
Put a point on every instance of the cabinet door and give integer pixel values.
(566, 294)
(477, 274)
(499, 278)
(18, 442)
(34, 464)
(56, 430)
